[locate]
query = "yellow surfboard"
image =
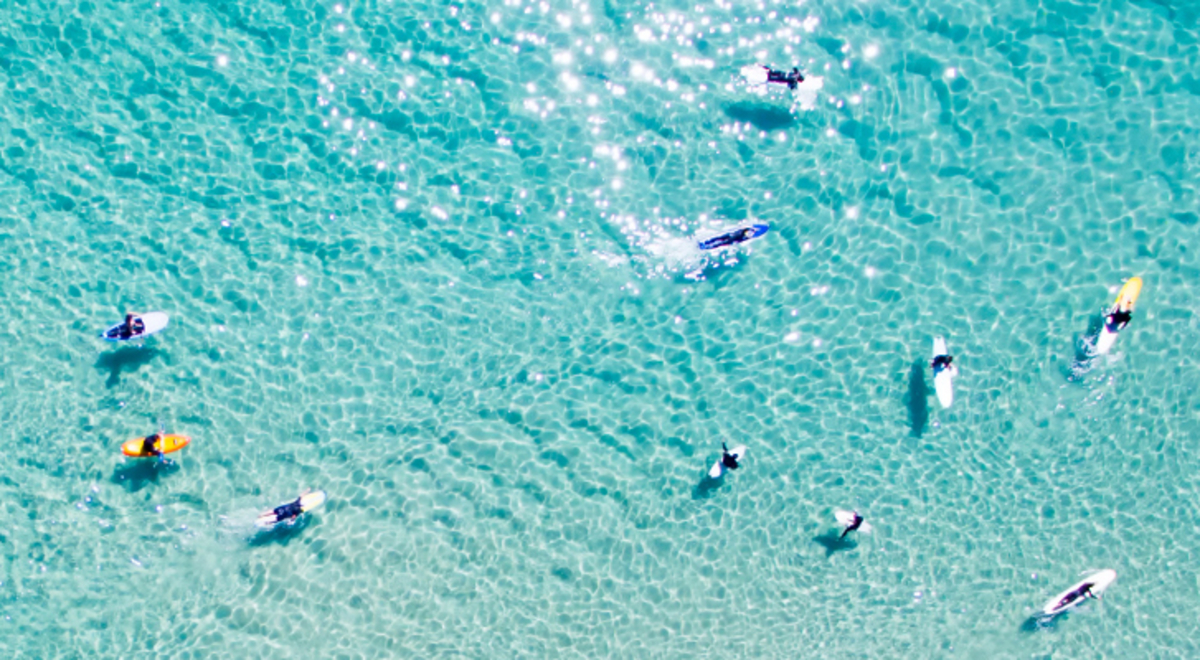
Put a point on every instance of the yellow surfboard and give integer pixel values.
(165, 443)
(1128, 295)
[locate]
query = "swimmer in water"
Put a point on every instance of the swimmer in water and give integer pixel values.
(790, 78)
(728, 459)
(855, 523)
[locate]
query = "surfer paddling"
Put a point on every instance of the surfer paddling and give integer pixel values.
(854, 523)
(791, 78)
(728, 460)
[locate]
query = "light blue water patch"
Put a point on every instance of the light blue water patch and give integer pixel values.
(438, 260)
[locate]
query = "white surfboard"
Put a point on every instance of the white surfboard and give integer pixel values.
(153, 322)
(1071, 597)
(718, 468)
(1105, 341)
(755, 74)
(846, 518)
(943, 377)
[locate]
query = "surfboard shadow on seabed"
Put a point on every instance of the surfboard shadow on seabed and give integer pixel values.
(707, 486)
(281, 534)
(136, 474)
(833, 542)
(917, 398)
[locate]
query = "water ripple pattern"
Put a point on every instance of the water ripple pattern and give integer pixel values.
(438, 260)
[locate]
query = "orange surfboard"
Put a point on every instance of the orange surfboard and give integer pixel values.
(166, 444)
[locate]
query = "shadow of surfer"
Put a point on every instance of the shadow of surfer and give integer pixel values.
(137, 474)
(1035, 623)
(834, 542)
(705, 488)
(917, 398)
(281, 534)
(127, 359)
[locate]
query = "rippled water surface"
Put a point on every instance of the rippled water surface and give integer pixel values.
(436, 259)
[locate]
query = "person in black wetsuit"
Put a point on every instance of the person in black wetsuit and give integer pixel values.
(148, 446)
(942, 362)
(854, 524)
(728, 459)
(288, 512)
(1084, 591)
(133, 326)
(1118, 319)
(790, 78)
(731, 238)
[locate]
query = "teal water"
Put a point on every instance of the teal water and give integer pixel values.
(429, 258)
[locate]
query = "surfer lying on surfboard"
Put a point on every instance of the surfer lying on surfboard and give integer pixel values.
(942, 362)
(1118, 319)
(1084, 591)
(1118, 315)
(764, 74)
(854, 523)
(851, 521)
(133, 326)
(733, 237)
(791, 79)
(289, 513)
(1091, 587)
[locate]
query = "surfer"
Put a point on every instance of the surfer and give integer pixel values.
(133, 326)
(942, 362)
(854, 524)
(790, 78)
(150, 446)
(1084, 591)
(1118, 319)
(731, 238)
(288, 512)
(728, 459)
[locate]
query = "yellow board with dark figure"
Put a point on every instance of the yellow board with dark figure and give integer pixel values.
(166, 444)
(1129, 294)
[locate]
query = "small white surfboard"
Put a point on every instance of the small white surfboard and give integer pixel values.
(1072, 597)
(846, 518)
(755, 74)
(1105, 341)
(943, 377)
(718, 468)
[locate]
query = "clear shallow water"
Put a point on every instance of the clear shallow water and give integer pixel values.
(450, 315)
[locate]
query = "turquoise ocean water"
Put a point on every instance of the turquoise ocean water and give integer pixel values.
(432, 258)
